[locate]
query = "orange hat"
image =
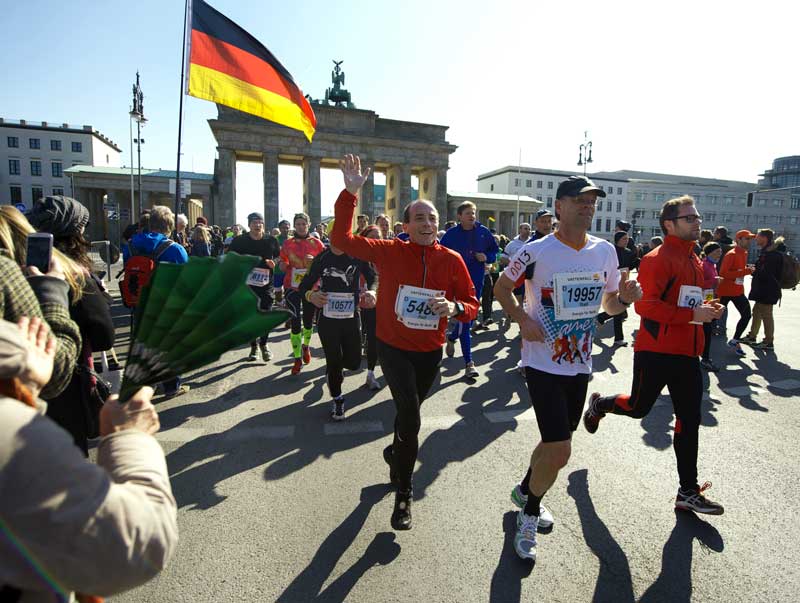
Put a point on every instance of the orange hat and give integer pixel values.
(744, 234)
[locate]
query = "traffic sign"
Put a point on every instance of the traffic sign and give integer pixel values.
(21, 207)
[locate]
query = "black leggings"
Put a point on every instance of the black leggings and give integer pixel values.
(265, 301)
(487, 299)
(743, 308)
(300, 307)
(368, 326)
(341, 343)
(410, 376)
(682, 376)
(708, 329)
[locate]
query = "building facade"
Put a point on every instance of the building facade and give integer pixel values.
(542, 184)
(35, 155)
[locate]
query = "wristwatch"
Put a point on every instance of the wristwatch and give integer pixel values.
(624, 303)
(459, 308)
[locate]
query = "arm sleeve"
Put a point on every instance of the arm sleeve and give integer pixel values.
(371, 250)
(464, 290)
(654, 279)
(312, 276)
(93, 315)
(518, 265)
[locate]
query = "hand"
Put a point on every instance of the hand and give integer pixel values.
(269, 264)
(707, 312)
(137, 413)
(367, 300)
(56, 270)
(481, 257)
(629, 291)
(441, 307)
(351, 170)
(318, 298)
(308, 260)
(530, 330)
(35, 333)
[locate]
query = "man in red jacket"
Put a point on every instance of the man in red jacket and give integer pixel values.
(668, 346)
(422, 284)
(733, 269)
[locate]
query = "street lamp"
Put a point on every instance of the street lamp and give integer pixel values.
(137, 113)
(585, 152)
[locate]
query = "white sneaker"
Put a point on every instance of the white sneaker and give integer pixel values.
(470, 372)
(546, 519)
(525, 538)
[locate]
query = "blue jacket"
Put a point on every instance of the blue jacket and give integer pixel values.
(147, 242)
(469, 242)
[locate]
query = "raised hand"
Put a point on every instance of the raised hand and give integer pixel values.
(629, 291)
(351, 170)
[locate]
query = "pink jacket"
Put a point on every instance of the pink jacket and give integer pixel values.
(709, 274)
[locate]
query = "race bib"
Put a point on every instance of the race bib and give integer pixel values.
(258, 277)
(690, 297)
(577, 295)
(708, 294)
(339, 305)
(412, 309)
(297, 276)
(740, 281)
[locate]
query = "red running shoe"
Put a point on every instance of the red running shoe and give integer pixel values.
(306, 354)
(298, 364)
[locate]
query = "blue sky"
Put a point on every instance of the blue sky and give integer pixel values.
(706, 89)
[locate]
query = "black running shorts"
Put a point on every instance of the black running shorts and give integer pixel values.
(557, 401)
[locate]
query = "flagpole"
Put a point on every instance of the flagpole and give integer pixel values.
(186, 15)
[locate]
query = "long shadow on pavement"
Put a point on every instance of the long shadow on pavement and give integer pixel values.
(382, 550)
(674, 583)
(614, 583)
(507, 579)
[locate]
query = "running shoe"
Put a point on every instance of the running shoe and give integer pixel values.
(306, 354)
(546, 519)
(266, 353)
(748, 339)
(401, 516)
(450, 348)
(487, 322)
(298, 364)
(252, 357)
(525, 538)
(470, 372)
(337, 409)
(620, 343)
(387, 457)
(695, 500)
(764, 345)
(709, 366)
(372, 382)
(178, 392)
(592, 416)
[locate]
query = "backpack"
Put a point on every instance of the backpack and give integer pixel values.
(790, 271)
(137, 272)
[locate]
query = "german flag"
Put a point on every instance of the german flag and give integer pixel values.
(230, 67)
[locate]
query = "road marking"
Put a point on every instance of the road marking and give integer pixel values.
(348, 427)
(179, 434)
(744, 391)
(505, 416)
(272, 432)
(786, 384)
(443, 422)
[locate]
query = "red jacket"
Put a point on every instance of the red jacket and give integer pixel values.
(665, 327)
(733, 268)
(405, 263)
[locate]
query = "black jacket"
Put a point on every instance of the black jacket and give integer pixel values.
(766, 285)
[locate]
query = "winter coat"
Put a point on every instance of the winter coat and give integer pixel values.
(766, 285)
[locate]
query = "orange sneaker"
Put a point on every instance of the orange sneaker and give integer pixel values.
(306, 354)
(298, 364)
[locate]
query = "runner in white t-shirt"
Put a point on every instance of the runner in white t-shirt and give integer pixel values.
(568, 276)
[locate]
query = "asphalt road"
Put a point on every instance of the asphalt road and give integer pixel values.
(277, 503)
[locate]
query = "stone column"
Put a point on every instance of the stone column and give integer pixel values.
(271, 201)
(433, 187)
(225, 176)
(312, 191)
(366, 199)
(398, 191)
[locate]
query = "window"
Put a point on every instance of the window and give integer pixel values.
(57, 169)
(36, 193)
(598, 224)
(608, 205)
(549, 202)
(779, 219)
(491, 187)
(762, 202)
(763, 219)
(77, 147)
(608, 224)
(57, 190)
(793, 220)
(656, 214)
(712, 199)
(777, 202)
(710, 217)
(550, 185)
(538, 184)
(619, 190)
(619, 207)
(640, 196)
(795, 203)
(728, 200)
(516, 181)
(16, 193)
(55, 145)
(36, 167)
(35, 143)
(13, 142)
(13, 167)
(528, 183)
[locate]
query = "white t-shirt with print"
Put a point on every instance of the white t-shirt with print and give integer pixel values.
(563, 297)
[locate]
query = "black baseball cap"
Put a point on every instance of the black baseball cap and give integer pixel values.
(623, 225)
(543, 212)
(575, 185)
(254, 216)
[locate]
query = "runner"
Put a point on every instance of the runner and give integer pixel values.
(256, 242)
(279, 275)
(510, 250)
(668, 344)
(733, 269)
(567, 277)
(711, 253)
(297, 253)
(477, 247)
(338, 296)
(422, 284)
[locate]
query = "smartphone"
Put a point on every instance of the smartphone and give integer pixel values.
(40, 251)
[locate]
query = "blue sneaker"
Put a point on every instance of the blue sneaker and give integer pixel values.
(737, 347)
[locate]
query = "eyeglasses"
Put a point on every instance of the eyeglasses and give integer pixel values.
(690, 219)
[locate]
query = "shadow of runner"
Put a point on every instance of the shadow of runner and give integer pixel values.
(382, 550)
(507, 579)
(674, 583)
(614, 582)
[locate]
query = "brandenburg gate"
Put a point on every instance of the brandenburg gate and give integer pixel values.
(398, 148)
